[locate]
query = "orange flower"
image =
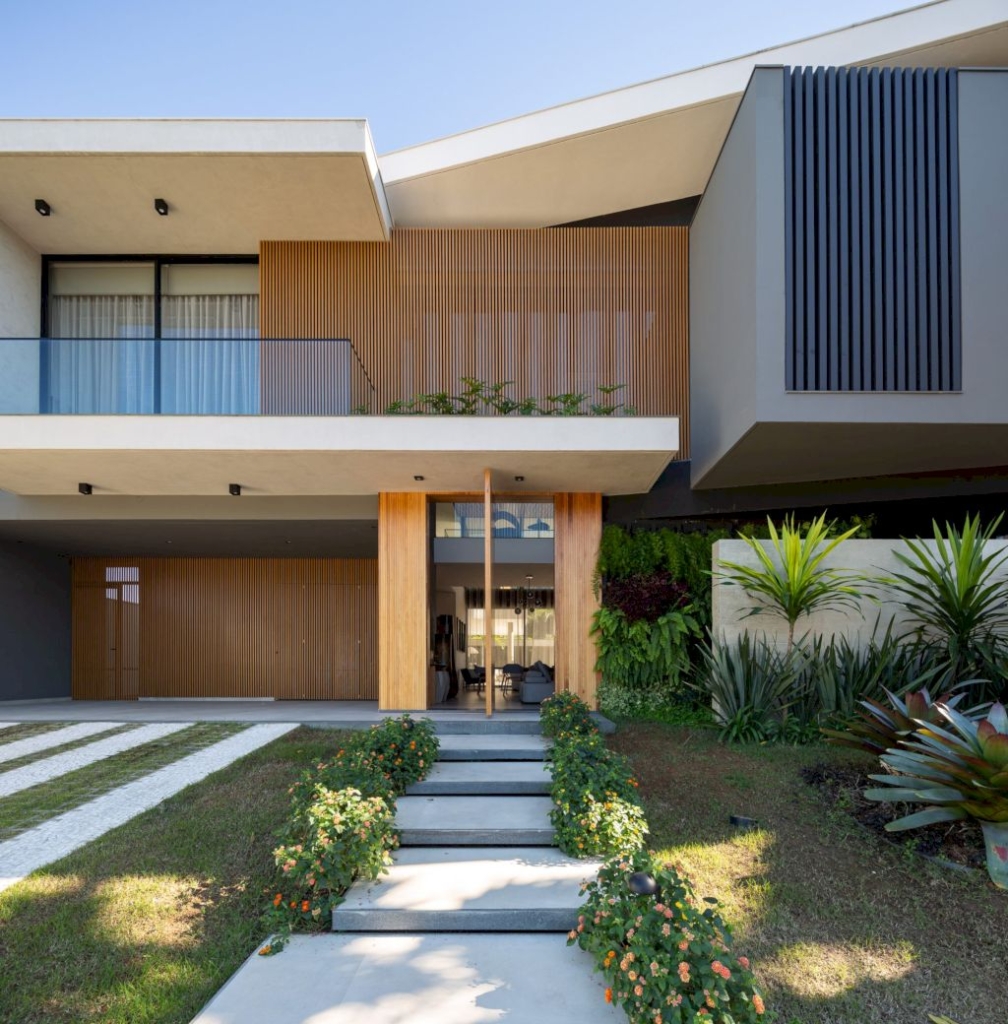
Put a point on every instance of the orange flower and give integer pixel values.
(608, 995)
(278, 899)
(744, 961)
(304, 906)
(758, 1004)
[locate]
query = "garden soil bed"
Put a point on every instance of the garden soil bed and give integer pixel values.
(956, 842)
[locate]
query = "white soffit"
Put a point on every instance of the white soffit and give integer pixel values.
(339, 455)
(228, 184)
(657, 141)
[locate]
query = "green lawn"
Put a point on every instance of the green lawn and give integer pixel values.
(146, 923)
(842, 927)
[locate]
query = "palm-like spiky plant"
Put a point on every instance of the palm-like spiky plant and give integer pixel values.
(795, 583)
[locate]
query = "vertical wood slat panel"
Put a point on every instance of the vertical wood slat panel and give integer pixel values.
(403, 573)
(556, 310)
(229, 627)
(578, 519)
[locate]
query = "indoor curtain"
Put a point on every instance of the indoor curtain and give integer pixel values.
(210, 354)
(100, 354)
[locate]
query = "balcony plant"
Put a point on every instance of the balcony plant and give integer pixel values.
(795, 583)
(958, 769)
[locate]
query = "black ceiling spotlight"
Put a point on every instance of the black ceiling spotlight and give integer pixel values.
(161, 205)
(519, 479)
(418, 478)
(234, 490)
(85, 488)
(42, 207)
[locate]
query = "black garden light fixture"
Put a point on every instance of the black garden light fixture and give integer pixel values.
(161, 206)
(42, 208)
(640, 883)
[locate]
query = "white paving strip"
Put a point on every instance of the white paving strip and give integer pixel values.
(59, 836)
(53, 738)
(48, 768)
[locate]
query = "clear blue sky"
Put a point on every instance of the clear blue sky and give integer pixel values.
(417, 70)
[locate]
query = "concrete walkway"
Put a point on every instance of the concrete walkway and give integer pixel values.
(53, 738)
(468, 927)
(48, 768)
(62, 835)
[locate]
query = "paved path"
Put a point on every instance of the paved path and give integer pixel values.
(48, 768)
(453, 934)
(53, 738)
(62, 835)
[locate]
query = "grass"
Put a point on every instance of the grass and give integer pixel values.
(842, 927)
(146, 923)
(23, 730)
(30, 807)
(20, 762)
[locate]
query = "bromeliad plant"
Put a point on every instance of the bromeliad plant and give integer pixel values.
(666, 956)
(795, 583)
(958, 769)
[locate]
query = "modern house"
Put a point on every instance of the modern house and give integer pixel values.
(219, 475)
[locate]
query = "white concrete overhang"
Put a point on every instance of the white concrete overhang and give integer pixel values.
(656, 141)
(347, 455)
(228, 184)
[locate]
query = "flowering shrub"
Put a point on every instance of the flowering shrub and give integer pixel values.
(341, 823)
(341, 834)
(565, 712)
(665, 958)
(596, 811)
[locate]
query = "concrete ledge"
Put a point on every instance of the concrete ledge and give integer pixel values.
(485, 778)
(476, 837)
(556, 919)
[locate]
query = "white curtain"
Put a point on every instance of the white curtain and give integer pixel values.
(105, 364)
(210, 354)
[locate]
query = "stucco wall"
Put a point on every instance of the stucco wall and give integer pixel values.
(34, 623)
(20, 287)
(731, 603)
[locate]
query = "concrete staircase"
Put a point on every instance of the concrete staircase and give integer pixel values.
(477, 849)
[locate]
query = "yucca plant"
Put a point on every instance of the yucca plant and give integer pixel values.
(750, 687)
(795, 583)
(956, 596)
(958, 769)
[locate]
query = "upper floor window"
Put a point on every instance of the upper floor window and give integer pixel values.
(162, 298)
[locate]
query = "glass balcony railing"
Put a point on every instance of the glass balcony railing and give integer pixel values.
(183, 377)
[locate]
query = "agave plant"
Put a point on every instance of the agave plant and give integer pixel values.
(958, 769)
(878, 728)
(795, 583)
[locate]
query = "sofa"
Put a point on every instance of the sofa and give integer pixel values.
(537, 684)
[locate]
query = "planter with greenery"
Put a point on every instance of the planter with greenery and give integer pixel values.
(342, 823)
(958, 769)
(665, 955)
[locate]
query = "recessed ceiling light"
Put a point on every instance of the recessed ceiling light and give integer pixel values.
(519, 479)
(161, 206)
(418, 477)
(43, 208)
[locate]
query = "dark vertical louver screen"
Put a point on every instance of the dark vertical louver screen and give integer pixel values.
(871, 174)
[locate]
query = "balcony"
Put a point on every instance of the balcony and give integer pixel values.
(182, 377)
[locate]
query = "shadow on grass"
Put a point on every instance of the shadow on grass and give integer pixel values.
(146, 923)
(842, 927)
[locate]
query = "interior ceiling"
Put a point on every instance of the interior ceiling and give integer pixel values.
(454, 574)
(780, 453)
(221, 538)
(616, 154)
(218, 202)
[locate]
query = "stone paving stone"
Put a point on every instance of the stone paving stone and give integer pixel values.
(48, 768)
(62, 835)
(56, 738)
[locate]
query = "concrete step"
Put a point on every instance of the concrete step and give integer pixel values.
(474, 821)
(492, 747)
(486, 778)
(518, 889)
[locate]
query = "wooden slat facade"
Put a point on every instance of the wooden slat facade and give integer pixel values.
(403, 601)
(225, 627)
(554, 310)
(575, 552)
